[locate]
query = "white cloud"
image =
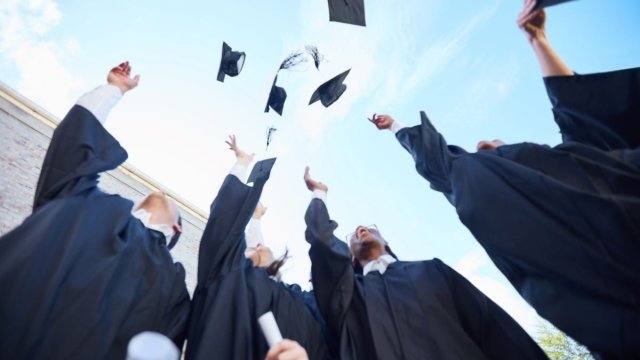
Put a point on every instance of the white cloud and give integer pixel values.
(497, 289)
(435, 57)
(42, 75)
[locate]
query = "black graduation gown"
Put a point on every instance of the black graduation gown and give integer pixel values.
(602, 110)
(81, 276)
(231, 294)
(562, 224)
(415, 310)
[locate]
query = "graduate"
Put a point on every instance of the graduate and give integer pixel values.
(86, 271)
(562, 224)
(601, 109)
(233, 291)
(383, 308)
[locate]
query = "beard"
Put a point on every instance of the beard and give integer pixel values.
(368, 248)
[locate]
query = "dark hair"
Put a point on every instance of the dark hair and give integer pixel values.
(176, 236)
(275, 266)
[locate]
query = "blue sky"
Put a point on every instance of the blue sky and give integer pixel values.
(463, 62)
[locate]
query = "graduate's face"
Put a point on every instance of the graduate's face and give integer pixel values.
(261, 256)
(366, 243)
(489, 144)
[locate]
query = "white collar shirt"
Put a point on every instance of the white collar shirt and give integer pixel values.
(380, 264)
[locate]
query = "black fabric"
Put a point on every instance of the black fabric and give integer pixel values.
(416, 310)
(81, 276)
(347, 11)
(277, 97)
(231, 294)
(330, 91)
(546, 3)
(562, 224)
(602, 110)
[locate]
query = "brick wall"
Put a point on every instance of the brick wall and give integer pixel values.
(25, 132)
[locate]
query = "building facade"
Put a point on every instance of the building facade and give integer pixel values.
(25, 133)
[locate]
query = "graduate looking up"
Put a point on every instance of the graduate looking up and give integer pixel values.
(86, 271)
(233, 291)
(562, 224)
(601, 109)
(383, 308)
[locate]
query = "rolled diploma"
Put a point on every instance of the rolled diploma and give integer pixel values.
(270, 328)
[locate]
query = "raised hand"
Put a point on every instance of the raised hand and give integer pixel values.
(381, 121)
(287, 350)
(532, 22)
(312, 184)
(241, 156)
(120, 76)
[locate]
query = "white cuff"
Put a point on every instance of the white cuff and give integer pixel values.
(239, 170)
(396, 126)
(320, 194)
(100, 101)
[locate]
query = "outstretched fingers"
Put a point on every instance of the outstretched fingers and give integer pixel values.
(232, 142)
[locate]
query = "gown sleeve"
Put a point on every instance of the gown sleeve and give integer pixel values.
(490, 327)
(601, 110)
(80, 149)
(433, 157)
(332, 273)
(223, 243)
(178, 311)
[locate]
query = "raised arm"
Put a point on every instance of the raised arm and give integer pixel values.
(531, 22)
(81, 148)
(490, 327)
(223, 243)
(430, 151)
(332, 272)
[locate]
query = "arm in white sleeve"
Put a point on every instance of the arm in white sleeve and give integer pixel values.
(253, 233)
(239, 170)
(396, 126)
(320, 194)
(100, 101)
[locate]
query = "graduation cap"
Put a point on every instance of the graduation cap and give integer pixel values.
(261, 170)
(347, 11)
(231, 62)
(546, 3)
(330, 91)
(277, 96)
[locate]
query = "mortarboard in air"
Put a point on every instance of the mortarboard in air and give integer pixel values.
(277, 96)
(330, 91)
(546, 3)
(347, 11)
(261, 170)
(231, 62)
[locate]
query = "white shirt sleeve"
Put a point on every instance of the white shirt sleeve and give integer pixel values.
(253, 233)
(396, 126)
(320, 194)
(100, 101)
(239, 170)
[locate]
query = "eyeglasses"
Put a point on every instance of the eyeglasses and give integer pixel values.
(353, 233)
